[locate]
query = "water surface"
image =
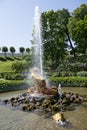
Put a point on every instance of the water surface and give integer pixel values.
(19, 120)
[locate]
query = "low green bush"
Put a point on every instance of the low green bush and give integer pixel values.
(69, 81)
(11, 85)
(6, 75)
(82, 57)
(67, 73)
(10, 58)
(82, 73)
(11, 76)
(18, 77)
(2, 58)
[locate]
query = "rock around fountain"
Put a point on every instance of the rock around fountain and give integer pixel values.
(51, 100)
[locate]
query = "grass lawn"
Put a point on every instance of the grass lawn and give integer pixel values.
(6, 66)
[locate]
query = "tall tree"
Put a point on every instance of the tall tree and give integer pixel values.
(5, 50)
(53, 38)
(12, 50)
(62, 19)
(78, 28)
(22, 49)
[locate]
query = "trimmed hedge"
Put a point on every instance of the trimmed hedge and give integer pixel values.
(82, 73)
(69, 81)
(11, 85)
(12, 76)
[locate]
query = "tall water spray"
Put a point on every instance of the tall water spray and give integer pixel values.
(37, 45)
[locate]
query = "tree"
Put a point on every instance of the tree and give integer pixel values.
(53, 38)
(63, 18)
(78, 28)
(12, 50)
(5, 50)
(22, 49)
(28, 50)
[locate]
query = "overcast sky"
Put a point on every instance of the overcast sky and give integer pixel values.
(16, 18)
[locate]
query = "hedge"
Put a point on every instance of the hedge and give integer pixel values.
(82, 73)
(11, 85)
(69, 81)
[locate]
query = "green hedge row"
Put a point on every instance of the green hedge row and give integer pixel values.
(11, 85)
(69, 81)
(12, 76)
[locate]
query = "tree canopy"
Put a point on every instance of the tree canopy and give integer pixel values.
(54, 34)
(22, 49)
(12, 50)
(5, 50)
(78, 28)
(63, 32)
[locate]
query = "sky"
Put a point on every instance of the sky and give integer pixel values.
(17, 18)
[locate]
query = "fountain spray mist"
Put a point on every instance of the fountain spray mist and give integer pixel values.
(37, 43)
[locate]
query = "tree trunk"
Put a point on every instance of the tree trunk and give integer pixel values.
(71, 44)
(5, 54)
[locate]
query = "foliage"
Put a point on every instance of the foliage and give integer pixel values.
(28, 50)
(78, 28)
(69, 81)
(82, 58)
(82, 73)
(12, 50)
(9, 58)
(6, 75)
(28, 60)
(27, 57)
(19, 66)
(54, 37)
(59, 29)
(63, 18)
(18, 77)
(12, 76)
(22, 49)
(69, 69)
(2, 58)
(10, 85)
(7, 62)
(4, 49)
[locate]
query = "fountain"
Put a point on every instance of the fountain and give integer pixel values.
(39, 97)
(37, 73)
(37, 43)
(40, 89)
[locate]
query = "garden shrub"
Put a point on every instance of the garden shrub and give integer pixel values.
(69, 81)
(82, 73)
(2, 58)
(10, 58)
(67, 73)
(11, 85)
(18, 77)
(18, 66)
(82, 57)
(11, 76)
(6, 75)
